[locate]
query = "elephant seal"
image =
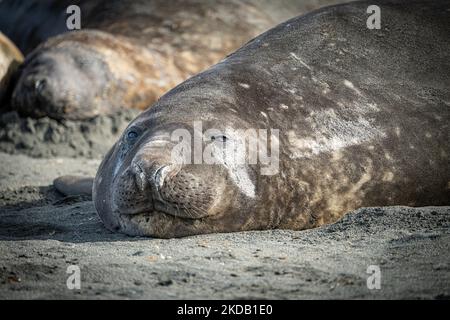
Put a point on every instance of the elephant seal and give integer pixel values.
(129, 52)
(10, 60)
(362, 115)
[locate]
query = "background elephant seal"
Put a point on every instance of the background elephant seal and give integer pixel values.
(10, 59)
(128, 53)
(363, 118)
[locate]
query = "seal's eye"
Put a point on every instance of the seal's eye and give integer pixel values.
(129, 139)
(220, 138)
(132, 136)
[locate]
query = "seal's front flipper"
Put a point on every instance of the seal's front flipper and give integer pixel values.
(74, 185)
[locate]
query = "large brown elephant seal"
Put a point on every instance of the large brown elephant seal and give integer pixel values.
(129, 52)
(363, 118)
(10, 60)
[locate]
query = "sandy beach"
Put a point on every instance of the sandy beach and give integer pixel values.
(42, 233)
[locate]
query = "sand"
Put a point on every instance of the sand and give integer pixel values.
(47, 138)
(42, 234)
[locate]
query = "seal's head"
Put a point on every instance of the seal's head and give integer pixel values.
(62, 80)
(143, 188)
(81, 74)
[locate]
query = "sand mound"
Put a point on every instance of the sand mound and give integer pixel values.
(47, 138)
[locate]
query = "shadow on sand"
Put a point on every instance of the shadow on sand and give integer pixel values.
(42, 213)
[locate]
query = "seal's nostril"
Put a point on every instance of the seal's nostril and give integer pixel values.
(140, 177)
(40, 85)
(159, 176)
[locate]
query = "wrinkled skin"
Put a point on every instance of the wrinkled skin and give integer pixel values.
(128, 53)
(363, 118)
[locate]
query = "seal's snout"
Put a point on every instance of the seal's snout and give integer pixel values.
(38, 87)
(34, 82)
(137, 188)
(149, 174)
(151, 186)
(39, 91)
(132, 193)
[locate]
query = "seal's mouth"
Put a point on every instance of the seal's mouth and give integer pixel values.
(158, 208)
